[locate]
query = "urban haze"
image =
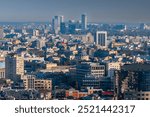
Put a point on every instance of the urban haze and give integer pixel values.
(74, 50)
(125, 11)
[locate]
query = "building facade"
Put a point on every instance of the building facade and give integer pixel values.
(2, 73)
(88, 68)
(112, 67)
(56, 23)
(133, 82)
(31, 83)
(101, 39)
(14, 66)
(84, 22)
(1, 33)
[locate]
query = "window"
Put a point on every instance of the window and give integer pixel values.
(147, 94)
(138, 94)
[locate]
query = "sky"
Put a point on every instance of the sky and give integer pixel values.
(127, 11)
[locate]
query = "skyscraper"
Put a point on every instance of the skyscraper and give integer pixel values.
(1, 33)
(71, 26)
(56, 22)
(101, 38)
(84, 22)
(61, 19)
(63, 27)
(14, 66)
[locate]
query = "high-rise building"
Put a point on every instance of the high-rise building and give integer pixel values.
(72, 27)
(63, 28)
(36, 32)
(56, 22)
(84, 22)
(1, 33)
(101, 38)
(61, 19)
(14, 66)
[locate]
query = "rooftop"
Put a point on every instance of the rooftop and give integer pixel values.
(136, 67)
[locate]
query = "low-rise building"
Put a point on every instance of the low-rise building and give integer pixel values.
(30, 83)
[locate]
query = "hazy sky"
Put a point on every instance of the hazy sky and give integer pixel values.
(97, 10)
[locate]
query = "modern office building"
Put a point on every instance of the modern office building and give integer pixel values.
(91, 81)
(88, 68)
(94, 69)
(101, 39)
(14, 66)
(56, 23)
(84, 22)
(71, 27)
(133, 82)
(61, 18)
(63, 28)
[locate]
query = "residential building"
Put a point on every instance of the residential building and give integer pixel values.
(14, 66)
(2, 73)
(32, 83)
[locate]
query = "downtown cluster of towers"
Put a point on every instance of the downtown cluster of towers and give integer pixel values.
(59, 25)
(72, 27)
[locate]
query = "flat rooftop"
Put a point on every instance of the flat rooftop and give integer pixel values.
(136, 67)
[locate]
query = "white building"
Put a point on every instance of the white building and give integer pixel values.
(56, 22)
(112, 67)
(36, 32)
(101, 39)
(2, 73)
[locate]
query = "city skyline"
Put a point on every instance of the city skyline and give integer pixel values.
(96, 10)
(67, 59)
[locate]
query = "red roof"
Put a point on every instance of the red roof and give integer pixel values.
(107, 93)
